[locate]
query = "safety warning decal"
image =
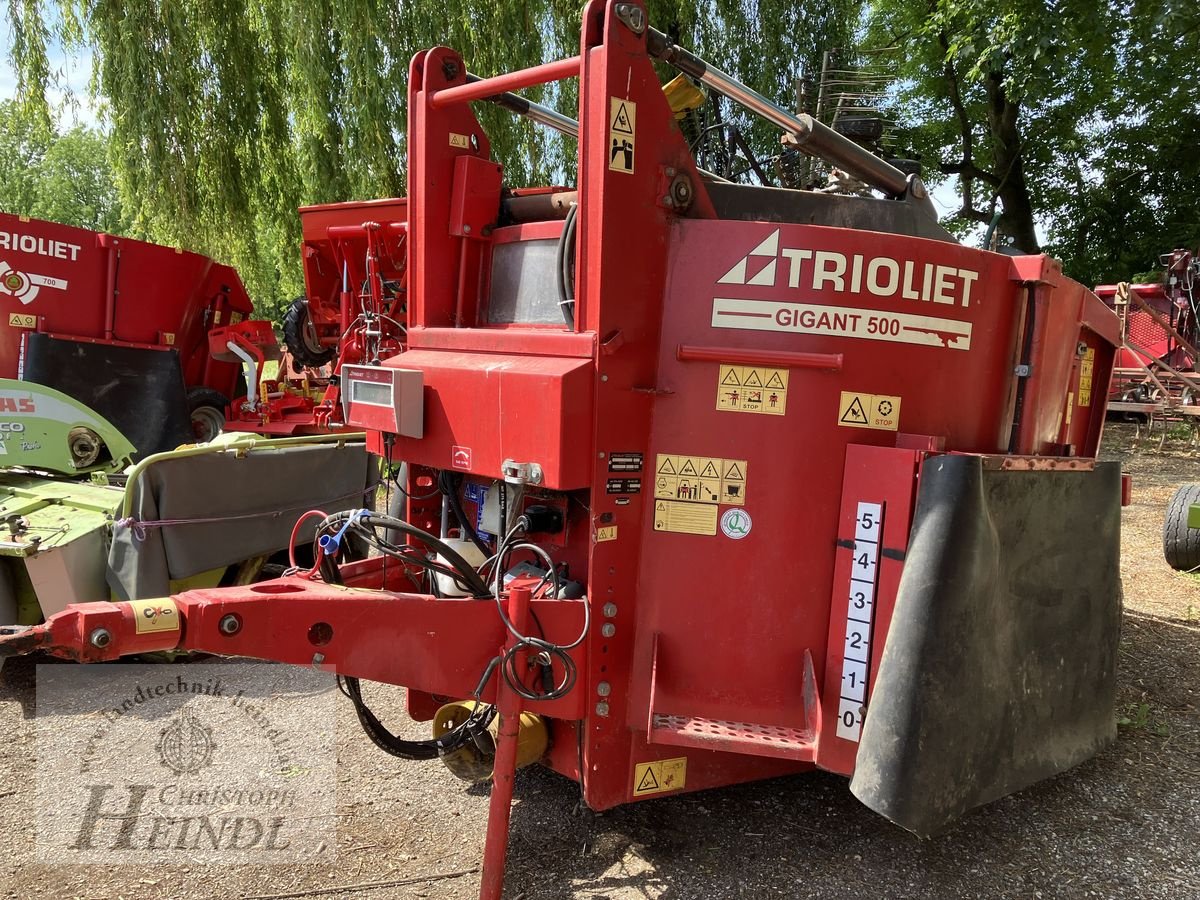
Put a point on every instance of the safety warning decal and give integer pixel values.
(622, 134)
(154, 615)
(700, 479)
(22, 320)
(860, 612)
(606, 533)
(685, 518)
(1085, 376)
(752, 390)
(878, 411)
(660, 776)
(460, 457)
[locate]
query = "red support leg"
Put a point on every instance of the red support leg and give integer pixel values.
(508, 706)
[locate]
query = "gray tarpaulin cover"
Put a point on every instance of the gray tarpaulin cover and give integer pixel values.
(1000, 663)
(256, 497)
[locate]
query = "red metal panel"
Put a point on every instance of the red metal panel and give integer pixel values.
(436, 138)
(1061, 308)
(863, 597)
(525, 408)
(473, 202)
(535, 341)
(790, 274)
(622, 257)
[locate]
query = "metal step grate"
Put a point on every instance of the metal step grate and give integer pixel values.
(736, 737)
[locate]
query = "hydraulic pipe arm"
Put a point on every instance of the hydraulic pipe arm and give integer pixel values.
(809, 134)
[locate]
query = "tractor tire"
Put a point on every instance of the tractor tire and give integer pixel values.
(1181, 545)
(207, 409)
(300, 335)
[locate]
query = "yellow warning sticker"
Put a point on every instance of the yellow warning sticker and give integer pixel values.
(622, 134)
(459, 140)
(22, 320)
(606, 533)
(685, 518)
(154, 615)
(752, 389)
(700, 479)
(878, 411)
(1085, 376)
(659, 777)
(169, 338)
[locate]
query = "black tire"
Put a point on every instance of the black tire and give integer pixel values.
(300, 335)
(859, 128)
(1181, 545)
(207, 410)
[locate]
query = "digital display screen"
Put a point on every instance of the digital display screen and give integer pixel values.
(371, 393)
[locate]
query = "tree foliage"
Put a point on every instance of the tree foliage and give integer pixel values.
(224, 115)
(61, 177)
(1138, 194)
(1067, 117)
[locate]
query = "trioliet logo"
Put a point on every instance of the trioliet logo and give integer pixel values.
(800, 273)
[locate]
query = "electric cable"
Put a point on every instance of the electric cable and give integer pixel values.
(544, 651)
(365, 521)
(448, 484)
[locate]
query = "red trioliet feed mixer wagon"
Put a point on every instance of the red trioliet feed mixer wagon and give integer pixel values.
(707, 482)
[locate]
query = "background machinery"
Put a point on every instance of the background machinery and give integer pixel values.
(115, 351)
(121, 326)
(1155, 372)
(706, 482)
(352, 312)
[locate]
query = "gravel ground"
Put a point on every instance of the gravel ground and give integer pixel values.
(1124, 824)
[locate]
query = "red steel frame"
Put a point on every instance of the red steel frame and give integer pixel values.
(724, 653)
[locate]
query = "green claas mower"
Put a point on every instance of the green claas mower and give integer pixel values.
(81, 521)
(116, 356)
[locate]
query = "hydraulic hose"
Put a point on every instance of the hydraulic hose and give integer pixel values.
(565, 260)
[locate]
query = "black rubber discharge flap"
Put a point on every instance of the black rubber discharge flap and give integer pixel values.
(139, 390)
(1000, 663)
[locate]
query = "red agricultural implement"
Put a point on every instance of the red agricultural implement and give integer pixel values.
(352, 312)
(120, 325)
(707, 482)
(1155, 371)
